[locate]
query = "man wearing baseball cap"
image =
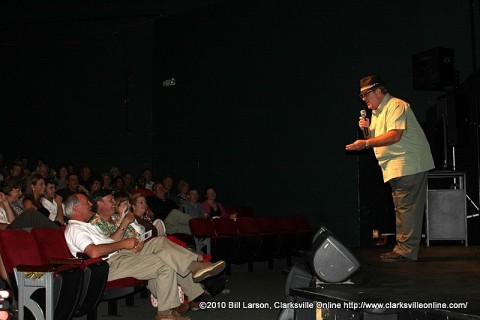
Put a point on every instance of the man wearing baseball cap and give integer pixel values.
(403, 153)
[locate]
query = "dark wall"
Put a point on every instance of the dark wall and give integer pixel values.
(267, 99)
(265, 102)
(63, 92)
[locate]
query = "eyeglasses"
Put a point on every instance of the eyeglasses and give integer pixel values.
(363, 95)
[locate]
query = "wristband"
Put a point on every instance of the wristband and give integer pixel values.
(367, 145)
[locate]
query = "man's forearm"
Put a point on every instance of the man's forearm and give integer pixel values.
(100, 250)
(386, 139)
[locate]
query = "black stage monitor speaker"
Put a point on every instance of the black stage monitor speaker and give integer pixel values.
(434, 70)
(300, 276)
(331, 261)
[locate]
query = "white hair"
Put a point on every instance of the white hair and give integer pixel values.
(69, 204)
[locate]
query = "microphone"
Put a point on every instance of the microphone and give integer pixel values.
(363, 114)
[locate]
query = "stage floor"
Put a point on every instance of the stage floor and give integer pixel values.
(442, 275)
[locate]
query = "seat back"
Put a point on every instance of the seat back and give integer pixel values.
(285, 224)
(248, 225)
(18, 247)
(267, 224)
(51, 242)
(267, 242)
(225, 227)
(202, 228)
(304, 232)
(243, 210)
(301, 223)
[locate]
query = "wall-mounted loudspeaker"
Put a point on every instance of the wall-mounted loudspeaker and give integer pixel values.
(434, 70)
(330, 260)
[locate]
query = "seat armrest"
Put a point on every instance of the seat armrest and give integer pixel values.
(74, 261)
(82, 255)
(30, 268)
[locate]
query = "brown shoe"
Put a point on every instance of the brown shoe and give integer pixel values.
(393, 257)
(208, 270)
(182, 308)
(172, 316)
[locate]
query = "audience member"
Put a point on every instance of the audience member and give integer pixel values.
(86, 177)
(144, 216)
(119, 184)
(128, 180)
(107, 181)
(53, 202)
(25, 167)
(62, 177)
(166, 210)
(192, 207)
(7, 215)
(110, 222)
(43, 169)
(141, 188)
(12, 189)
(148, 175)
(212, 207)
(115, 172)
(16, 170)
(133, 258)
(35, 214)
(72, 187)
(167, 182)
(183, 187)
(96, 184)
(70, 168)
(34, 191)
(159, 203)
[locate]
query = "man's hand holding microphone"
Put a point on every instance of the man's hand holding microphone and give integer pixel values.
(364, 124)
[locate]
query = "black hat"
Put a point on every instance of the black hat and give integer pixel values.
(369, 83)
(99, 194)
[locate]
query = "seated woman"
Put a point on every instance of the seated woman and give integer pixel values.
(7, 215)
(144, 216)
(35, 189)
(119, 184)
(12, 188)
(35, 214)
(62, 177)
(213, 208)
(96, 184)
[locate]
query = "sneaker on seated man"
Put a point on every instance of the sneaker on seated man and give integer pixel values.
(160, 261)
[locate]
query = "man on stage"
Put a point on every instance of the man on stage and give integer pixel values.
(403, 153)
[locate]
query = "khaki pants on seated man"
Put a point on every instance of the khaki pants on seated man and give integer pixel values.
(177, 222)
(163, 264)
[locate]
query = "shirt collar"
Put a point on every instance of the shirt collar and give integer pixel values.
(382, 104)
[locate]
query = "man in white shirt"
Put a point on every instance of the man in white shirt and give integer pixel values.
(160, 261)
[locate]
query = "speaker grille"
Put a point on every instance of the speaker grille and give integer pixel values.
(331, 260)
